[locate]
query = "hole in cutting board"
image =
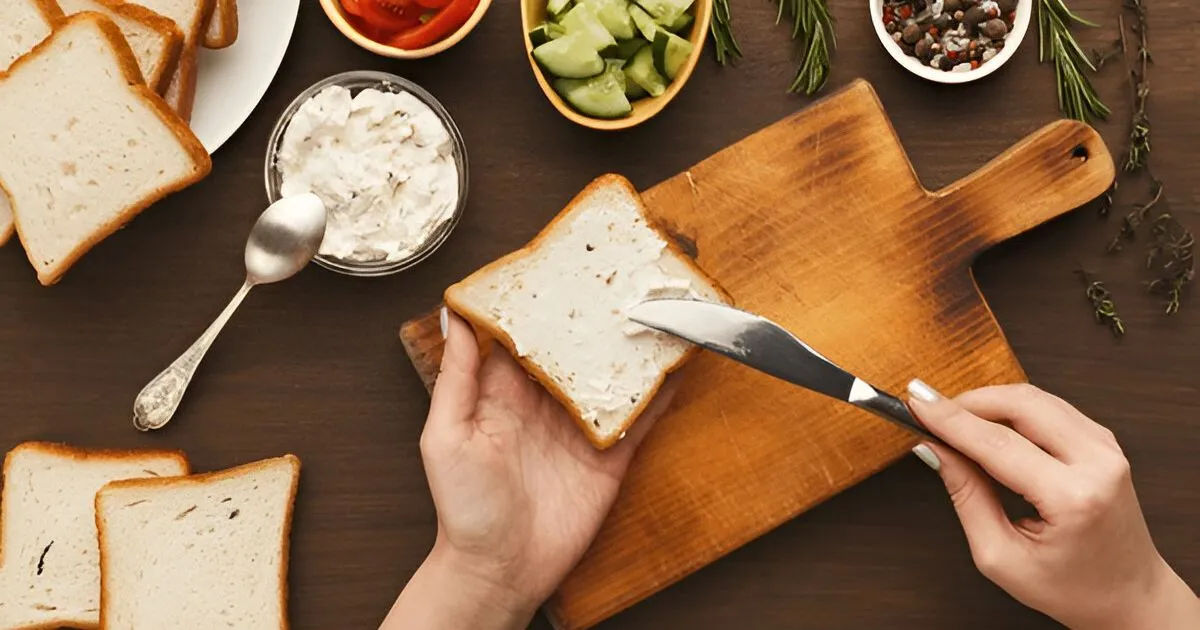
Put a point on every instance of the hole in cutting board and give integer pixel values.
(1080, 153)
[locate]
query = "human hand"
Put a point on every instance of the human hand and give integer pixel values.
(1088, 561)
(520, 492)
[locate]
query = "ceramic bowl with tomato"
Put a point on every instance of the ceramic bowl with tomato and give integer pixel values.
(405, 29)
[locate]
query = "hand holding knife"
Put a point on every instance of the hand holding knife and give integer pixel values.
(767, 347)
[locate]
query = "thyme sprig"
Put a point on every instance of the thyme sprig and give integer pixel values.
(813, 27)
(1139, 132)
(1172, 258)
(1077, 98)
(1135, 218)
(1103, 307)
(724, 43)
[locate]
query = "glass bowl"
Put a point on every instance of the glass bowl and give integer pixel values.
(357, 81)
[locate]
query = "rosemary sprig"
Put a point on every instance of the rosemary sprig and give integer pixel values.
(1103, 307)
(1076, 96)
(1135, 218)
(724, 43)
(813, 25)
(1172, 257)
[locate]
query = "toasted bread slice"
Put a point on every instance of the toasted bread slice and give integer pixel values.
(559, 306)
(156, 41)
(223, 25)
(76, 172)
(209, 551)
(49, 554)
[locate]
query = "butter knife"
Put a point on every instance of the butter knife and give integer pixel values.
(767, 347)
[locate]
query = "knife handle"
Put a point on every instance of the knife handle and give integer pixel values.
(891, 408)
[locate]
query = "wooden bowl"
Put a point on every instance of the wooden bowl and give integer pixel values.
(333, 9)
(533, 12)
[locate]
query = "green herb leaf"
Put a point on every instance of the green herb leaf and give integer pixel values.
(813, 27)
(724, 43)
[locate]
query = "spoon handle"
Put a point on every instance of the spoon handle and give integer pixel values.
(157, 402)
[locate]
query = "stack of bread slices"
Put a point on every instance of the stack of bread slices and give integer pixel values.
(95, 103)
(129, 540)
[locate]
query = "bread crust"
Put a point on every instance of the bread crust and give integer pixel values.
(225, 20)
(52, 12)
(78, 454)
(486, 325)
(133, 77)
(201, 479)
(163, 25)
(183, 100)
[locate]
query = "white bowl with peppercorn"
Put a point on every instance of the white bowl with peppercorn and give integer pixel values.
(951, 41)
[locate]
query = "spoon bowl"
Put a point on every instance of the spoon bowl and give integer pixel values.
(533, 13)
(285, 238)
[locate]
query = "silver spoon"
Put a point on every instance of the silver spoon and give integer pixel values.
(284, 239)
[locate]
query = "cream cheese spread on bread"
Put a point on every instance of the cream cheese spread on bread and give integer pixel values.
(382, 162)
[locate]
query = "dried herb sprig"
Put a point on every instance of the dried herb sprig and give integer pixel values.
(1103, 307)
(1135, 218)
(813, 27)
(1076, 96)
(724, 43)
(1172, 258)
(1139, 131)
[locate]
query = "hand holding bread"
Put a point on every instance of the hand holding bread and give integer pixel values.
(520, 492)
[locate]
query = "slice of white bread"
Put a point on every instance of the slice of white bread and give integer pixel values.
(209, 551)
(23, 25)
(76, 172)
(223, 25)
(559, 306)
(191, 16)
(49, 553)
(155, 40)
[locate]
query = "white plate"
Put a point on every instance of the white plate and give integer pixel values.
(233, 80)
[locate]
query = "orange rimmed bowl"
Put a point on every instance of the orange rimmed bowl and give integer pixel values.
(336, 13)
(533, 13)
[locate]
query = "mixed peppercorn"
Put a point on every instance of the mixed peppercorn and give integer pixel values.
(951, 35)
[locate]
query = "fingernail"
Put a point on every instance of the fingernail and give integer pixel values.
(444, 320)
(921, 391)
(926, 454)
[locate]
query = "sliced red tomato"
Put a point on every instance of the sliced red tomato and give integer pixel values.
(388, 17)
(433, 4)
(439, 27)
(352, 7)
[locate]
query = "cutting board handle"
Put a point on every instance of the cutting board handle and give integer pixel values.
(1058, 168)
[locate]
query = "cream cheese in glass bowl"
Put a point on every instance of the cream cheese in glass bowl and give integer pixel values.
(387, 160)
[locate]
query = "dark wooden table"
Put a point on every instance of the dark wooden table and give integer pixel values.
(314, 367)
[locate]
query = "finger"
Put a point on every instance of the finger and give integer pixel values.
(457, 389)
(1044, 419)
(655, 410)
(990, 534)
(1007, 456)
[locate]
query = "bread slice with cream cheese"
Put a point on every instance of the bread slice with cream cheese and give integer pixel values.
(200, 552)
(49, 555)
(559, 306)
(76, 172)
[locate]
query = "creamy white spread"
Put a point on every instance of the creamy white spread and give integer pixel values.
(382, 162)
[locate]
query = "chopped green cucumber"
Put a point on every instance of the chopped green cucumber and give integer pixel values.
(641, 71)
(682, 23)
(570, 56)
(601, 97)
(615, 68)
(624, 49)
(582, 21)
(545, 32)
(633, 91)
(644, 23)
(614, 15)
(557, 7)
(665, 11)
(670, 53)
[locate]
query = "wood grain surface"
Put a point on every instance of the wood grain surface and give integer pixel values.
(313, 367)
(819, 223)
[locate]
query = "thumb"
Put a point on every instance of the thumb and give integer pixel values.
(457, 389)
(990, 534)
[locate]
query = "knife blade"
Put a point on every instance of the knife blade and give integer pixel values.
(767, 347)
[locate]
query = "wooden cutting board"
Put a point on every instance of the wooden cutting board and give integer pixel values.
(819, 223)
